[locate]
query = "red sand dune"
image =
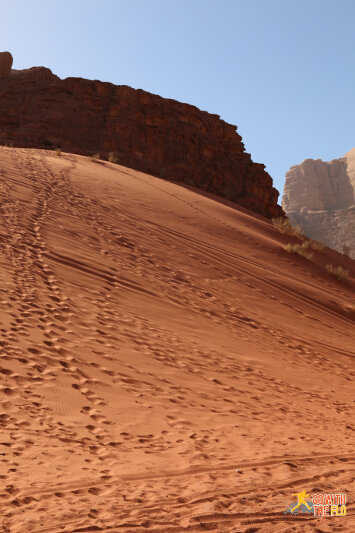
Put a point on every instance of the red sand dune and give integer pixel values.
(166, 365)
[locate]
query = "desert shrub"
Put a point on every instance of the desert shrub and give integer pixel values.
(346, 250)
(94, 157)
(58, 151)
(113, 157)
(285, 226)
(338, 272)
(299, 249)
(318, 246)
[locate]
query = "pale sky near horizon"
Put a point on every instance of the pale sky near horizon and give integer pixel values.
(283, 71)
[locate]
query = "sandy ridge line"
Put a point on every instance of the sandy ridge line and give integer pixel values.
(204, 245)
(96, 272)
(339, 352)
(193, 471)
(211, 251)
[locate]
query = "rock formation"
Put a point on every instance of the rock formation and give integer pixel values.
(319, 196)
(5, 64)
(162, 137)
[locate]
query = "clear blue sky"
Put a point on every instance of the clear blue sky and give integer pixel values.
(283, 71)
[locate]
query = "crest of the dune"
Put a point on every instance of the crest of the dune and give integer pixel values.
(319, 195)
(5, 64)
(145, 132)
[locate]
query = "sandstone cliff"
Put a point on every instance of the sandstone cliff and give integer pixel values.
(154, 135)
(319, 195)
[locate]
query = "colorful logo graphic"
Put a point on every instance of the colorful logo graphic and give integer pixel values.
(302, 506)
(320, 505)
(329, 504)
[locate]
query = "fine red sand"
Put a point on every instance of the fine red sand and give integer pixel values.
(166, 366)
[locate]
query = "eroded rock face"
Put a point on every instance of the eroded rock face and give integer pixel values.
(154, 135)
(319, 195)
(5, 64)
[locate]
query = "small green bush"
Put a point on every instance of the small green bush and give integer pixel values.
(318, 246)
(299, 249)
(338, 272)
(58, 151)
(346, 250)
(285, 226)
(113, 157)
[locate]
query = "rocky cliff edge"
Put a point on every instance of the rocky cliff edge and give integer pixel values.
(162, 137)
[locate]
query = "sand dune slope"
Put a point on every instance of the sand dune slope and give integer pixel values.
(166, 365)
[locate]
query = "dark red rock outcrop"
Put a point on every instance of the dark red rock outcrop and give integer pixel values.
(5, 64)
(162, 137)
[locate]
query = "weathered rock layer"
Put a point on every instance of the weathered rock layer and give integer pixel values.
(154, 135)
(319, 196)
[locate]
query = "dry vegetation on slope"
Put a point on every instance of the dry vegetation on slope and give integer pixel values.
(165, 365)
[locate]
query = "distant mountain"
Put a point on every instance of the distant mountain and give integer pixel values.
(319, 195)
